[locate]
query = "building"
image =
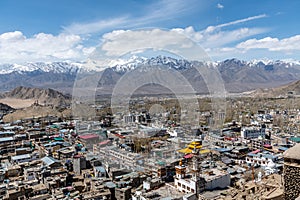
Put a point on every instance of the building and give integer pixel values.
(150, 184)
(123, 193)
(216, 179)
(99, 171)
(268, 188)
(252, 132)
(261, 159)
(23, 158)
(124, 158)
(79, 163)
(260, 143)
(89, 140)
(129, 118)
(292, 173)
(194, 184)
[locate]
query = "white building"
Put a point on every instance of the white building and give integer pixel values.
(216, 179)
(261, 159)
(176, 132)
(129, 118)
(252, 132)
(208, 180)
(195, 184)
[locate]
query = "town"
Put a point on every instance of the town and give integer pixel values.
(148, 154)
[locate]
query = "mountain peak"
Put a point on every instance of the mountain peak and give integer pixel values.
(123, 65)
(54, 67)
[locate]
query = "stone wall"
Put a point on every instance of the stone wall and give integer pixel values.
(291, 181)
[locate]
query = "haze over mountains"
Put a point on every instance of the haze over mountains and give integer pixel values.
(238, 76)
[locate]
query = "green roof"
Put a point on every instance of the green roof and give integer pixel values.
(295, 139)
(58, 139)
(54, 126)
(161, 163)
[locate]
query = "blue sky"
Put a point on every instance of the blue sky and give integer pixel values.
(35, 30)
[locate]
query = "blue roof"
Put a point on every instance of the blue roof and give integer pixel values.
(53, 144)
(223, 149)
(283, 148)
(6, 139)
(268, 156)
(7, 132)
(100, 169)
(110, 184)
(20, 157)
(22, 148)
(49, 160)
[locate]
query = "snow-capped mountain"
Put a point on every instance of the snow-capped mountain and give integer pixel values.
(238, 75)
(54, 67)
(124, 65)
(262, 62)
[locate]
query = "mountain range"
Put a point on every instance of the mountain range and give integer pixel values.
(238, 75)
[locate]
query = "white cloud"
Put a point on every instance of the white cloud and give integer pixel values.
(217, 37)
(11, 36)
(213, 38)
(93, 27)
(214, 28)
(15, 47)
(219, 42)
(161, 10)
(121, 42)
(220, 6)
(242, 20)
(272, 44)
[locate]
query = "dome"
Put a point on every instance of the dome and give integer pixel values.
(293, 153)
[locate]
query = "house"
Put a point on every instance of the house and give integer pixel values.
(99, 171)
(51, 162)
(89, 140)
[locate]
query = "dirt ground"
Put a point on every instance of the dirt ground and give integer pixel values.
(17, 103)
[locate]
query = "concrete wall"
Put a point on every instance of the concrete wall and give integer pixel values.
(219, 182)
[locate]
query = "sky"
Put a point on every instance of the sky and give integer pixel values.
(60, 30)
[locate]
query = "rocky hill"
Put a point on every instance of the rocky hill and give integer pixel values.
(288, 90)
(5, 109)
(38, 96)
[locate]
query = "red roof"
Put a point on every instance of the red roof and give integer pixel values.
(89, 136)
(188, 156)
(120, 136)
(77, 156)
(256, 151)
(267, 146)
(104, 142)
